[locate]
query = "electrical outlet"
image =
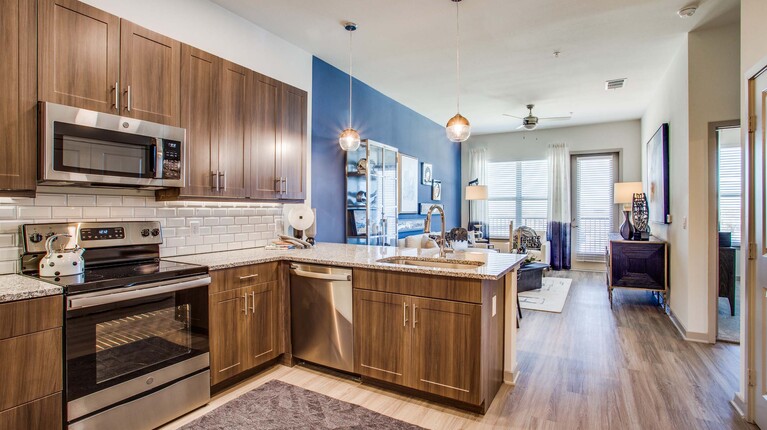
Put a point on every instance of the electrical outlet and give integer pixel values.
(684, 223)
(195, 225)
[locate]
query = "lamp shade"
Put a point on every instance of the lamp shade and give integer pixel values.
(476, 192)
(624, 192)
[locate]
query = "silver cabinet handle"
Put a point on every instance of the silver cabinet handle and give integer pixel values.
(117, 97)
(415, 317)
(253, 303)
(404, 314)
(278, 185)
(245, 308)
(285, 179)
(128, 99)
(242, 278)
(223, 176)
(215, 178)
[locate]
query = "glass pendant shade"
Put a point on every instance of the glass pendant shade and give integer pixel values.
(458, 128)
(349, 140)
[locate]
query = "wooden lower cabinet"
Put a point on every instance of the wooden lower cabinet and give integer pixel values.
(427, 344)
(245, 324)
(44, 413)
(382, 333)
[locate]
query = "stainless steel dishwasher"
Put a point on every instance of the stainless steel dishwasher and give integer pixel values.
(321, 315)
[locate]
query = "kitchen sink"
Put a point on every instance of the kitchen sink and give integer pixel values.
(440, 263)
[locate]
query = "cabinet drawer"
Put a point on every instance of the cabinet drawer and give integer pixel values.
(30, 367)
(245, 276)
(414, 284)
(40, 414)
(29, 316)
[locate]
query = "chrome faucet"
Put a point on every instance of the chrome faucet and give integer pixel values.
(427, 227)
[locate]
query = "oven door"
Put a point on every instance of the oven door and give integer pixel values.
(123, 344)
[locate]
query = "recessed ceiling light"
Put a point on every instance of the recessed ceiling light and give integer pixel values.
(687, 11)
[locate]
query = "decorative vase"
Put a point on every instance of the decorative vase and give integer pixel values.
(627, 230)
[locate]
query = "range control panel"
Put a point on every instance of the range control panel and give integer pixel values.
(91, 234)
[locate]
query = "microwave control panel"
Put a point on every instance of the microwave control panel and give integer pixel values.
(171, 163)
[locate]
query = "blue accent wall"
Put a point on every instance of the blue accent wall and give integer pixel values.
(382, 119)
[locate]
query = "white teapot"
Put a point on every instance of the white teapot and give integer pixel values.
(63, 262)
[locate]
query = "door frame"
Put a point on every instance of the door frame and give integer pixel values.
(745, 398)
(713, 221)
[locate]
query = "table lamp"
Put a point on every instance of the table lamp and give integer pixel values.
(623, 193)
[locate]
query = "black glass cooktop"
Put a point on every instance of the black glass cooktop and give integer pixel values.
(116, 276)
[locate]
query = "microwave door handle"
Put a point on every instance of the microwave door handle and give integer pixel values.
(158, 158)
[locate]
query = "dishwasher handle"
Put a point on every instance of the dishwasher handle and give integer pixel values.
(325, 276)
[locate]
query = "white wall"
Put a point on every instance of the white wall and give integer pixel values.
(700, 86)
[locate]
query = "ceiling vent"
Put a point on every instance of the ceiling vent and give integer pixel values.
(615, 84)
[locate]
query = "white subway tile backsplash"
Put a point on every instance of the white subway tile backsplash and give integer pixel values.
(222, 226)
(81, 200)
(96, 212)
(68, 212)
(34, 212)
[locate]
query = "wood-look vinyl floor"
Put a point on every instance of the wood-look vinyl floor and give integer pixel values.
(587, 368)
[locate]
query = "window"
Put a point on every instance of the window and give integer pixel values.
(729, 182)
(593, 197)
(518, 191)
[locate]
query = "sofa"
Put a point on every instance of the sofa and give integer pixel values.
(540, 255)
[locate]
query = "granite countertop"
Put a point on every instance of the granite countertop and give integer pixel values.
(18, 287)
(495, 266)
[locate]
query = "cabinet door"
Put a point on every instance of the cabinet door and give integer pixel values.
(18, 96)
(229, 332)
(382, 336)
(234, 140)
(199, 116)
(264, 327)
(150, 65)
(265, 139)
(44, 413)
(446, 349)
(293, 150)
(79, 54)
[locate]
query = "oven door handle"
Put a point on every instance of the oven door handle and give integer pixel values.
(96, 299)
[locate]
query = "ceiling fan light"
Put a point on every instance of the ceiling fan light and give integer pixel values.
(349, 140)
(530, 125)
(458, 128)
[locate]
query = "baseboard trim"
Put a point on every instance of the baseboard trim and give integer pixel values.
(739, 405)
(511, 377)
(689, 336)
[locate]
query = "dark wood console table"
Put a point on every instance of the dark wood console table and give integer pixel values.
(637, 264)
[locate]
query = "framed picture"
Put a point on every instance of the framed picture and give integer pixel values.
(358, 223)
(427, 173)
(657, 176)
(408, 184)
(436, 190)
(425, 207)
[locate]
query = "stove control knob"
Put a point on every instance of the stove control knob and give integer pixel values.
(145, 232)
(155, 232)
(35, 237)
(50, 233)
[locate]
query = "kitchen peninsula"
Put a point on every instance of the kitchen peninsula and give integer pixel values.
(442, 329)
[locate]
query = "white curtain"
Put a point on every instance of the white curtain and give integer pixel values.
(559, 212)
(478, 170)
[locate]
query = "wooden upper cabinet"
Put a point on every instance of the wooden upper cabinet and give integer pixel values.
(382, 335)
(18, 97)
(199, 116)
(265, 138)
(150, 65)
(446, 349)
(234, 137)
(79, 54)
(293, 154)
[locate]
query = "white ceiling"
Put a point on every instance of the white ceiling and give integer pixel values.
(406, 50)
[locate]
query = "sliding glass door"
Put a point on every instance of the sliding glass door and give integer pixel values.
(594, 214)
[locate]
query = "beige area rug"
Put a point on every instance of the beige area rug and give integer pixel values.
(550, 298)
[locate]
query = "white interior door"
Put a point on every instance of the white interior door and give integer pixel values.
(758, 236)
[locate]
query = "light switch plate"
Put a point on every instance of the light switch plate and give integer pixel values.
(493, 305)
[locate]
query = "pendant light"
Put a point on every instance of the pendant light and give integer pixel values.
(458, 128)
(349, 138)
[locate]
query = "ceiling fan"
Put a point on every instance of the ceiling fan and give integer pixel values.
(531, 121)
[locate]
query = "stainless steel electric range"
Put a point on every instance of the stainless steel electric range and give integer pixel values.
(136, 326)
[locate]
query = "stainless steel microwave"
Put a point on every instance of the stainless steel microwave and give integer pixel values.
(83, 147)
